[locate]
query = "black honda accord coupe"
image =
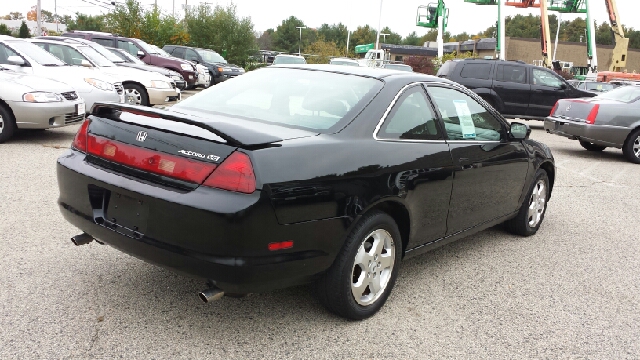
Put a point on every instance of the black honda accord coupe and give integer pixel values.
(296, 174)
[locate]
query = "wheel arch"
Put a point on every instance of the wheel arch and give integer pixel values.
(6, 106)
(399, 214)
(551, 173)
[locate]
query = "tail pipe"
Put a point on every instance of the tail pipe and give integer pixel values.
(211, 294)
(82, 239)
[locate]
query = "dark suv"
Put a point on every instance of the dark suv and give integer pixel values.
(218, 67)
(142, 50)
(514, 88)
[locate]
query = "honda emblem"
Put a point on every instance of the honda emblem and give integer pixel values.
(142, 136)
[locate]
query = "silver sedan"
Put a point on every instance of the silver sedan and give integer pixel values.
(607, 120)
(34, 102)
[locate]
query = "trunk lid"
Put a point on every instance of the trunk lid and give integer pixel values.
(573, 109)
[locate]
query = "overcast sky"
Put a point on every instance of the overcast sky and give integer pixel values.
(399, 15)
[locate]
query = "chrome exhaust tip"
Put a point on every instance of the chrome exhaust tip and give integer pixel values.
(81, 239)
(211, 294)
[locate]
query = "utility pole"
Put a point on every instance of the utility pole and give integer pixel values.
(39, 19)
(348, 36)
(379, 22)
(300, 42)
(501, 32)
(55, 11)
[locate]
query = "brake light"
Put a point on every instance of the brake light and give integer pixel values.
(591, 118)
(555, 107)
(280, 245)
(234, 174)
(80, 140)
(149, 160)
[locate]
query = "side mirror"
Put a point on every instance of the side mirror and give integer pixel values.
(520, 131)
(85, 63)
(15, 60)
(140, 54)
(563, 86)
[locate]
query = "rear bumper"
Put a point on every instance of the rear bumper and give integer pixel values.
(604, 135)
(206, 233)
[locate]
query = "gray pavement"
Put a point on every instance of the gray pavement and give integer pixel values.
(571, 291)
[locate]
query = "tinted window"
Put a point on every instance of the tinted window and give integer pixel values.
(179, 52)
(463, 117)
(476, 71)
(411, 118)
(512, 73)
(104, 42)
(446, 68)
(192, 56)
(546, 78)
(304, 99)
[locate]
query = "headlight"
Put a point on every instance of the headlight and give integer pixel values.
(159, 84)
(102, 85)
(186, 67)
(41, 97)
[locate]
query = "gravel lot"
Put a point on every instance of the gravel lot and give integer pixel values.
(571, 291)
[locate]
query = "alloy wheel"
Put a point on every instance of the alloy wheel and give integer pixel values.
(132, 96)
(537, 203)
(372, 267)
(636, 147)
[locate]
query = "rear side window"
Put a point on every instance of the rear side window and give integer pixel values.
(128, 46)
(476, 71)
(178, 52)
(446, 69)
(512, 73)
(411, 118)
(103, 42)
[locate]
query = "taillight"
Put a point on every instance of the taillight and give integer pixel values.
(283, 245)
(80, 140)
(234, 174)
(555, 107)
(149, 160)
(591, 118)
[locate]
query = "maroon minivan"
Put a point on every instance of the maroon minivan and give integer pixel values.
(141, 49)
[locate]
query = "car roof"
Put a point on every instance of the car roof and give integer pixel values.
(377, 73)
(288, 55)
(73, 45)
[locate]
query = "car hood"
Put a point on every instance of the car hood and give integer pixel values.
(74, 76)
(33, 82)
(160, 70)
(131, 74)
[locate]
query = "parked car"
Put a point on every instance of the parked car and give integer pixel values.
(307, 179)
(218, 67)
(140, 87)
(288, 59)
(401, 67)
(607, 120)
(35, 102)
(344, 61)
(514, 88)
(129, 60)
(142, 50)
(24, 57)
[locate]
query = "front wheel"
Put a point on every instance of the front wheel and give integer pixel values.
(359, 282)
(7, 124)
(135, 95)
(631, 148)
(591, 146)
(531, 213)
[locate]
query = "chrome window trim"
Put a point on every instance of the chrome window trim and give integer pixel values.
(386, 112)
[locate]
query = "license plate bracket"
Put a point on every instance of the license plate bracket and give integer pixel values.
(127, 215)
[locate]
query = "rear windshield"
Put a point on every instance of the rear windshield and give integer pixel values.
(598, 86)
(626, 94)
(398, 67)
(446, 68)
(289, 60)
(311, 100)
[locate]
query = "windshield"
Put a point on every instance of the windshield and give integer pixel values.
(625, 94)
(211, 56)
(34, 52)
(95, 57)
(130, 58)
(311, 100)
(148, 48)
(288, 60)
(344, 62)
(598, 86)
(106, 53)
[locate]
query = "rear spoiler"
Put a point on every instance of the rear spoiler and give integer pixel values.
(233, 134)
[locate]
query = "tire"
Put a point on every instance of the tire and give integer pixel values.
(139, 92)
(375, 238)
(7, 124)
(631, 147)
(531, 213)
(591, 146)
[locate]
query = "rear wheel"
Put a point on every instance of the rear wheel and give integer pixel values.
(7, 124)
(532, 211)
(135, 95)
(591, 146)
(631, 148)
(359, 282)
